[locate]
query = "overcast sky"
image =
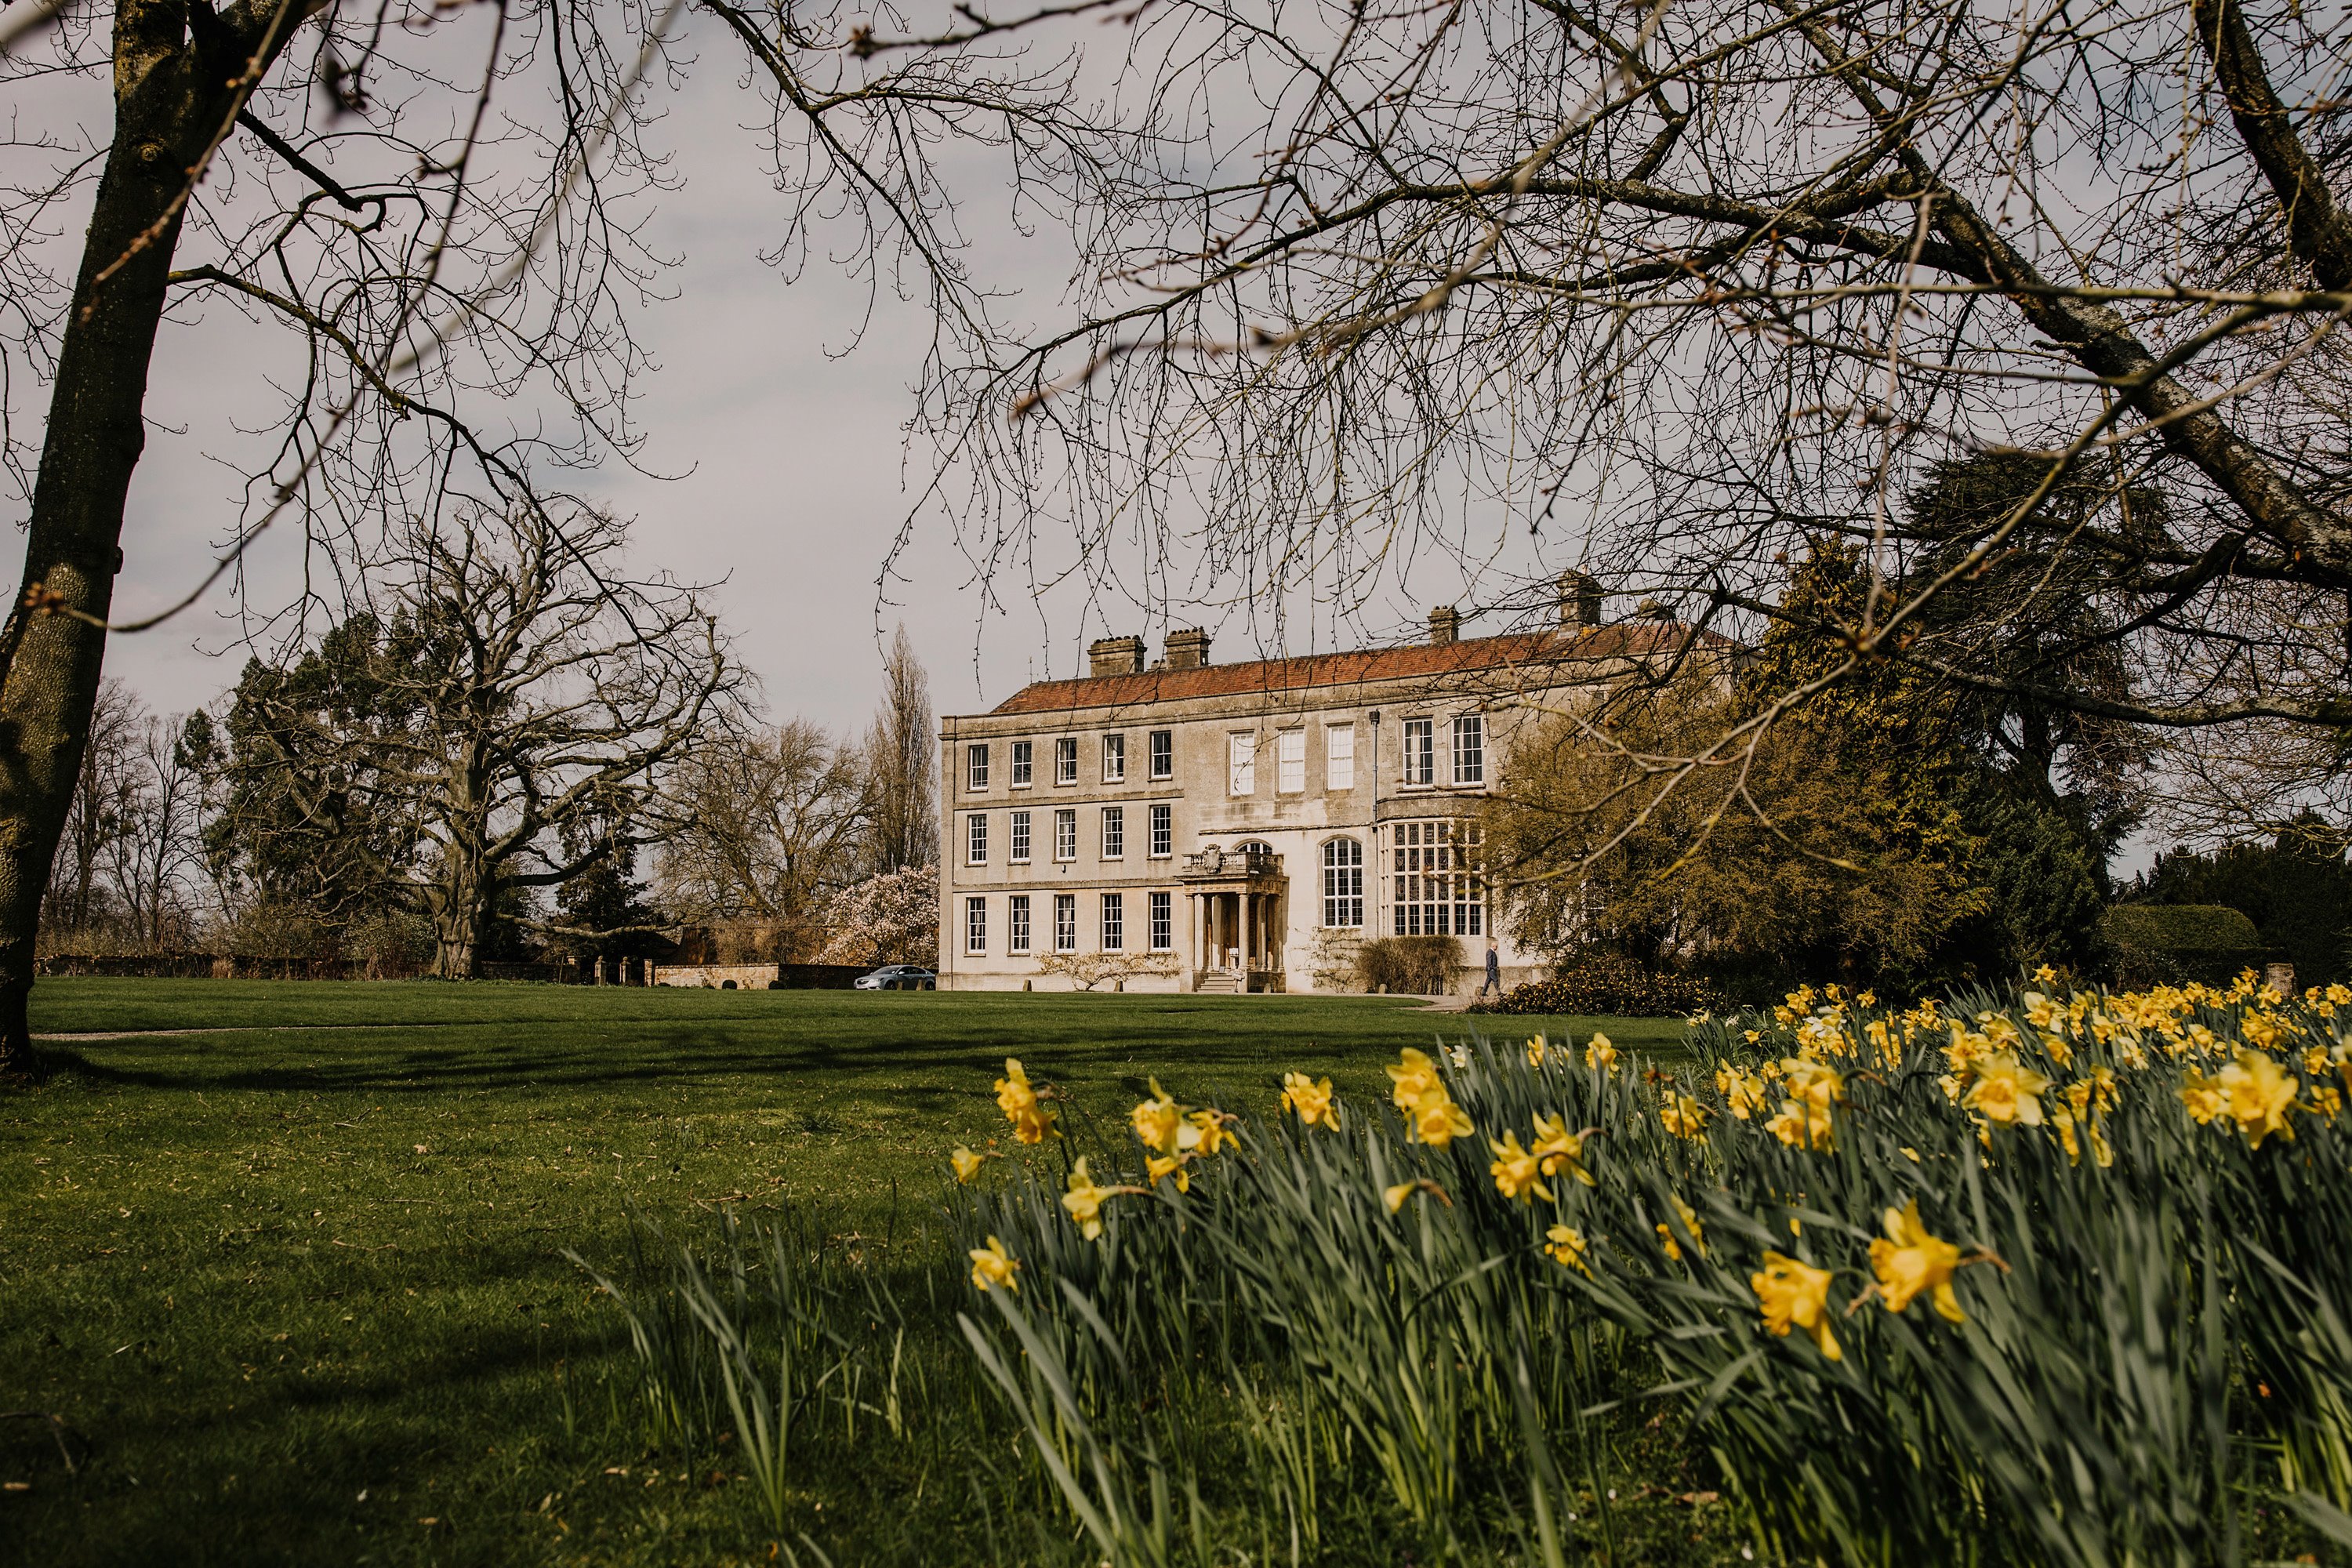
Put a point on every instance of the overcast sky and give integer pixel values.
(794, 472)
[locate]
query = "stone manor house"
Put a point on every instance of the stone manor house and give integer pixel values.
(1239, 826)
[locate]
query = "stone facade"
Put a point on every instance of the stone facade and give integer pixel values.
(1243, 826)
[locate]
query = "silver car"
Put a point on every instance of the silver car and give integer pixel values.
(898, 977)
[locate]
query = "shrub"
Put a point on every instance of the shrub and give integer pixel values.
(2161, 944)
(1605, 983)
(1413, 965)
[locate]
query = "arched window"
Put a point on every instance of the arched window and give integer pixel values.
(1343, 883)
(1259, 846)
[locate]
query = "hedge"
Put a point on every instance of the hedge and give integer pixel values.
(1606, 984)
(2154, 945)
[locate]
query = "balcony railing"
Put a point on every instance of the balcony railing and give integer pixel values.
(1232, 863)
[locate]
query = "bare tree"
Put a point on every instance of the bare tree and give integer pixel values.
(899, 752)
(102, 817)
(763, 829)
(1686, 290)
(443, 210)
(545, 689)
(158, 854)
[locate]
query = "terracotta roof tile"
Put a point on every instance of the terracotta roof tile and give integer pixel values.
(1421, 661)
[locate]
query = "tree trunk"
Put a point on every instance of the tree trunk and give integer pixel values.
(458, 910)
(167, 106)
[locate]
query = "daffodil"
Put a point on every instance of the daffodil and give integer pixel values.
(2259, 1096)
(1802, 1125)
(1160, 1123)
(1208, 1130)
(1159, 1165)
(967, 1163)
(993, 1266)
(1414, 1075)
(1796, 1295)
(1536, 1048)
(1516, 1172)
(1599, 1053)
(1084, 1199)
(1683, 1117)
(1690, 1223)
(1310, 1099)
(1013, 1093)
(1032, 1122)
(1560, 1149)
(2006, 1091)
(1395, 1196)
(1908, 1260)
(1565, 1242)
(1435, 1120)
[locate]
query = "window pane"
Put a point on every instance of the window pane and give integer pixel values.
(1114, 758)
(1470, 749)
(1163, 830)
(1420, 751)
(1065, 922)
(1339, 756)
(1065, 760)
(1290, 761)
(1343, 883)
(1436, 890)
(976, 839)
(1164, 922)
(1023, 752)
(1114, 832)
(1016, 923)
(976, 925)
(976, 767)
(1163, 753)
(1113, 921)
(1017, 845)
(1241, 764)
(1065, 836)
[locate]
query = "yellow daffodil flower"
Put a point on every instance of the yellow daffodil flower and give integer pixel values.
(2204, 1096)
(1599, 1053)
(1536, 1048)
(1802, 1126)
(1084, 1199)
(967, 1163)
(1516, 1172)
(1565, 1242)
(1160, 1123)
(1032, 1122)
(1690, 1223)
(1395, 1196)
(1560, 1149)
(1908, 1260)
(992, 1266)
(2006, 1091)
(1414, 1075)
(1208, 1130)
(1310, 1099)
(1013, 1093)
(1159, 1165)
(2260, 1094)
(2045, 974)
(1683, 1117)
(1796, 1295)
(1435, 1120)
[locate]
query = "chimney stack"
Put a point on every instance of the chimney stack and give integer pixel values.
(1188, 650)
(1579, 599)
(1114, 655)
(1445, 626)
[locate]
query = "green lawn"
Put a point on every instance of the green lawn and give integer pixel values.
(298, 1283)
